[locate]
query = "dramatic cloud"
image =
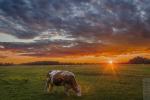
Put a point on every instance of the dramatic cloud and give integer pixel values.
(60, 28)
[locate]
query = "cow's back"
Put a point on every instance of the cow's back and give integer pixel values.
(63, 77)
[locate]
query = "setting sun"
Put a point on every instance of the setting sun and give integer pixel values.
(110, 62)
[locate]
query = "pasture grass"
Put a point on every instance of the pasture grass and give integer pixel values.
(98, 82)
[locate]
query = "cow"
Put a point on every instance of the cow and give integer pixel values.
(62, 78)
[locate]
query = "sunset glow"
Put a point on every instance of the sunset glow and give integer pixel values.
(76, 31)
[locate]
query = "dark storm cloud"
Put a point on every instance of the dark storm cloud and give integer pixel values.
(68, 24)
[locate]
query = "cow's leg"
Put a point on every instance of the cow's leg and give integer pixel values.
(66, 89)
(50, 87)
(47, 84)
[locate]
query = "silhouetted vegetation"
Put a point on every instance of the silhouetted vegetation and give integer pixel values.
(52, 63)
(41, 63)
(139, 60)
(6, 64)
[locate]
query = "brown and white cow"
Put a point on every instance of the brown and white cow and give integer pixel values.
(62, 78)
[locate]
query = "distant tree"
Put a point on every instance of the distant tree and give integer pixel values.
(139, 60)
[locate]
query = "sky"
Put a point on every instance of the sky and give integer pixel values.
(74, 30)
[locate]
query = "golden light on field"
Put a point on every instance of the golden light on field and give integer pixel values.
(111, 67)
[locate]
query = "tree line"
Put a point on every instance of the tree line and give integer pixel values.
(139, 60)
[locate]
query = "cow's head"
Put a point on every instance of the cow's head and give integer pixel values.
(78, 91)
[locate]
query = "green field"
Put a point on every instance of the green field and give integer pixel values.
(98, 82)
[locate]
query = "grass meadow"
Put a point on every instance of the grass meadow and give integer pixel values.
(98, 82)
